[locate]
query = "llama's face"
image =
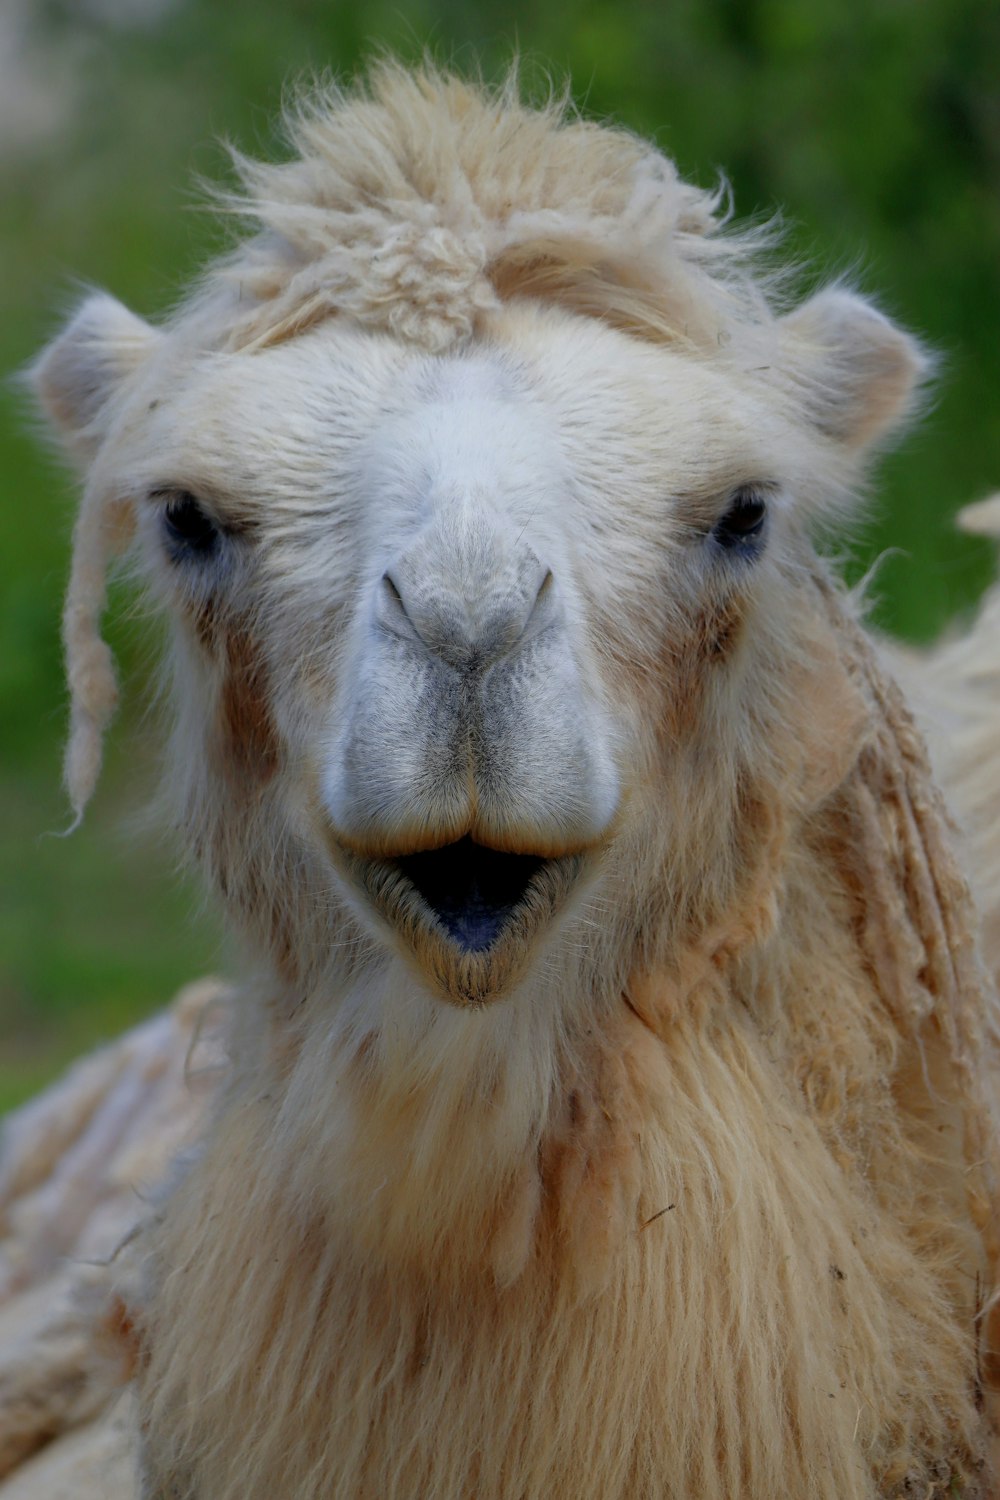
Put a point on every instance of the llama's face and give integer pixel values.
(468, 645)
(443, 609)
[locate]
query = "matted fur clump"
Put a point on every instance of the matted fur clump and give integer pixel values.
(611, 1106)
(415, 208)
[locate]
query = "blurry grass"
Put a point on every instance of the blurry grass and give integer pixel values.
(95, 929)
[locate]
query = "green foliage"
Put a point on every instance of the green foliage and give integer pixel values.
(874, 127)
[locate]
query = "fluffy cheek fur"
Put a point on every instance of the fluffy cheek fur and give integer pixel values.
(229, 786)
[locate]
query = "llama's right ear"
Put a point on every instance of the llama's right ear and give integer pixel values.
(75, 377)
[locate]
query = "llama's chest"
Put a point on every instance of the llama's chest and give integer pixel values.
(740, 1321)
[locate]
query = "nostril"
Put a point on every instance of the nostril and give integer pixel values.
(543, 608)
(391, 588)
(392, 595)
(465, 619)
(391, 609)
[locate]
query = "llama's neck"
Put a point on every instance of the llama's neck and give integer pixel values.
(465, 1290)
(431, 1131)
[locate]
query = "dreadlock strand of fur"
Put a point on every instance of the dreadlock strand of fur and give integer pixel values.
(918, 933)
(90, 672)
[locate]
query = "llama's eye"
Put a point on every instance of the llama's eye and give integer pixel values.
(742, 526)
(189, 531)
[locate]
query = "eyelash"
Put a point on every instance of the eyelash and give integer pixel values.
(190, 533)
(741, 527)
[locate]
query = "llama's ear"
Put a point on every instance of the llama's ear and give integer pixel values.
(75, 377)
(859, 374)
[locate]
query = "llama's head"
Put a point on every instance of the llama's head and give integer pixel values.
(477, 487)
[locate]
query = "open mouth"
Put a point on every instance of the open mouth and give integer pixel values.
(473, 891)
(470, 915)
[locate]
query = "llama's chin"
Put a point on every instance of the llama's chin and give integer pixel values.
(469, 915)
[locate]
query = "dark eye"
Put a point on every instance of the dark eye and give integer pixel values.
(190, 532)
(743, 522)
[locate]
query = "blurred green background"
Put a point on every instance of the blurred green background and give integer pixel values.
(874, 126)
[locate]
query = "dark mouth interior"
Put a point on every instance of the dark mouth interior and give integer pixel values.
(471, 890)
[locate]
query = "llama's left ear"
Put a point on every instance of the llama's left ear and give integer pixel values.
(76, 376)
(857, 373)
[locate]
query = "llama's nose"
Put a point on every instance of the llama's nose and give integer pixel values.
(467, 616)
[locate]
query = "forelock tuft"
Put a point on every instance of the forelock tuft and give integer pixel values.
(416, 203)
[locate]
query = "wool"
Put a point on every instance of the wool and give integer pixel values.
(416, 203)
(956, 690)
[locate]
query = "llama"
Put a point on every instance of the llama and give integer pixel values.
(609, 1107)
